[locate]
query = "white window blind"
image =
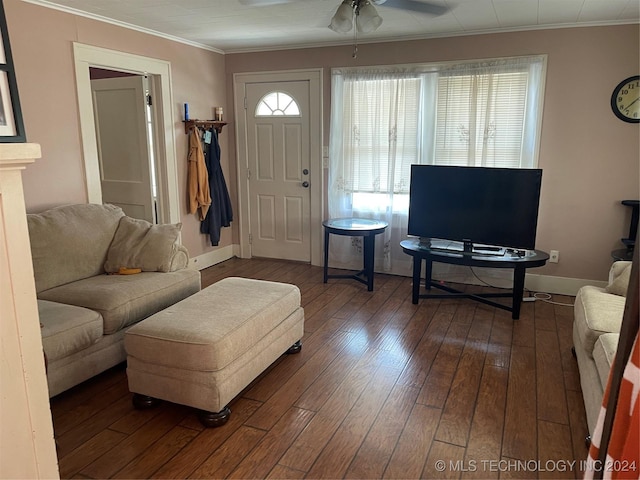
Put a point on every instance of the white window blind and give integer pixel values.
(480, 119)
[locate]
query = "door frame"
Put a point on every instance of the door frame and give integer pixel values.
(314, 77)
(159, 72)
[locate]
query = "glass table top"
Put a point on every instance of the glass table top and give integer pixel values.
(355, 224)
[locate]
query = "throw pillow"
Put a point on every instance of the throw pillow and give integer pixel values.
(140, 244)
(621, 283)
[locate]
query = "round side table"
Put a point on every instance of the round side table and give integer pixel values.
(354, 227)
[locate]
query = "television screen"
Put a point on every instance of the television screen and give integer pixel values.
(479, 205)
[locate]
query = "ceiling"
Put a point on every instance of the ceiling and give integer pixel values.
(227, 26)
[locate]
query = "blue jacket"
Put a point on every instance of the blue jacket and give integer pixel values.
(220, 213)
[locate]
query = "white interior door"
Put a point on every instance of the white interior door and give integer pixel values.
(123, 149)
(278, 159)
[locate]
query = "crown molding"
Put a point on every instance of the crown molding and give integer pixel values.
(129, 26)
(408, 38)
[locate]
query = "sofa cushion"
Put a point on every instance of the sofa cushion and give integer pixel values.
(620, 283)
(70, 243)
(67, 329)
(126, 299)
(596, 312)
(604, 352)
(140, 244)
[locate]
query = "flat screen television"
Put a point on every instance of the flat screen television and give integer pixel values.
(475, 205)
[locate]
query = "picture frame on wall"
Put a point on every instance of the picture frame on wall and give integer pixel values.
(11, 123)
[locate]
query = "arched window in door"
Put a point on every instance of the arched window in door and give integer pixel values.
(277, 104)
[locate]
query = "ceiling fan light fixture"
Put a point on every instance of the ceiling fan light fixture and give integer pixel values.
(342, 21)
(367, 18)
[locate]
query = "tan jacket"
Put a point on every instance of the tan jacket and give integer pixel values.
(197, 177)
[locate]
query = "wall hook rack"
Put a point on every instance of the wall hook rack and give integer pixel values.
(216, 124)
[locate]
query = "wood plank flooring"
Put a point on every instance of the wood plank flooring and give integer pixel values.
(383, 388)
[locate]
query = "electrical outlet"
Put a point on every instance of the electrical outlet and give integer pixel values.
(554, 256)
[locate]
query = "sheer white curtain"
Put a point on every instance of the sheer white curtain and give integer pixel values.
(375, 137)
(484, 113)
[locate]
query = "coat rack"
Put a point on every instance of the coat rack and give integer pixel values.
(216, 124)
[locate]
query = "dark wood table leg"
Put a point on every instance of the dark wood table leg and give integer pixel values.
(428, 272)
(326, 255)
(518, 289)
(369, 251)
(417, 267)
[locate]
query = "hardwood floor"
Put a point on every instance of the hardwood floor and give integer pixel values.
(382, 389)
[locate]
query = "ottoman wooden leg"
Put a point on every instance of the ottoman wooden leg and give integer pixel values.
(212, 420)
(142, 402)
(295, 348)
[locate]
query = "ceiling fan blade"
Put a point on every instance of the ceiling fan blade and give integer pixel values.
(416, 6)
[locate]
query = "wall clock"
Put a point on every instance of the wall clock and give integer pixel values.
(625, 100)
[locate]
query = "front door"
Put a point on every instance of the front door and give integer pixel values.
(123, 149)
(278, 160)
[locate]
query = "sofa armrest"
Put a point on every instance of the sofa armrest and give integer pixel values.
(180, 258)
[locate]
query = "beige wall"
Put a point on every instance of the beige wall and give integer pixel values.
(42, 45)
(591, 160)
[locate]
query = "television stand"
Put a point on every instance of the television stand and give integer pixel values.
(513, 259)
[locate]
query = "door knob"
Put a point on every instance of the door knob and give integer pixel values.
(305, 172)
(305, 184)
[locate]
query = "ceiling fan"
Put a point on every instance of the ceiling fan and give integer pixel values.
(363, 12)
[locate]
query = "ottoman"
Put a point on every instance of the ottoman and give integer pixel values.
(205, 349)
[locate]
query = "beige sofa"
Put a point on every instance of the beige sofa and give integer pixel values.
(597, 319)
(84, 305)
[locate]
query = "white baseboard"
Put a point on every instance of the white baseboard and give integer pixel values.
(503, 278)
(214, 257)
(558, 285)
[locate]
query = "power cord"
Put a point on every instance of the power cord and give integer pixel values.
(485, 282)
(543, 297)
(546, 297)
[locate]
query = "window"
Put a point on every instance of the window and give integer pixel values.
(277, 103)
(478, 113)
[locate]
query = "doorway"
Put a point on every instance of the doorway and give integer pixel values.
(280, 164)
(124, 130)
(158, 71)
